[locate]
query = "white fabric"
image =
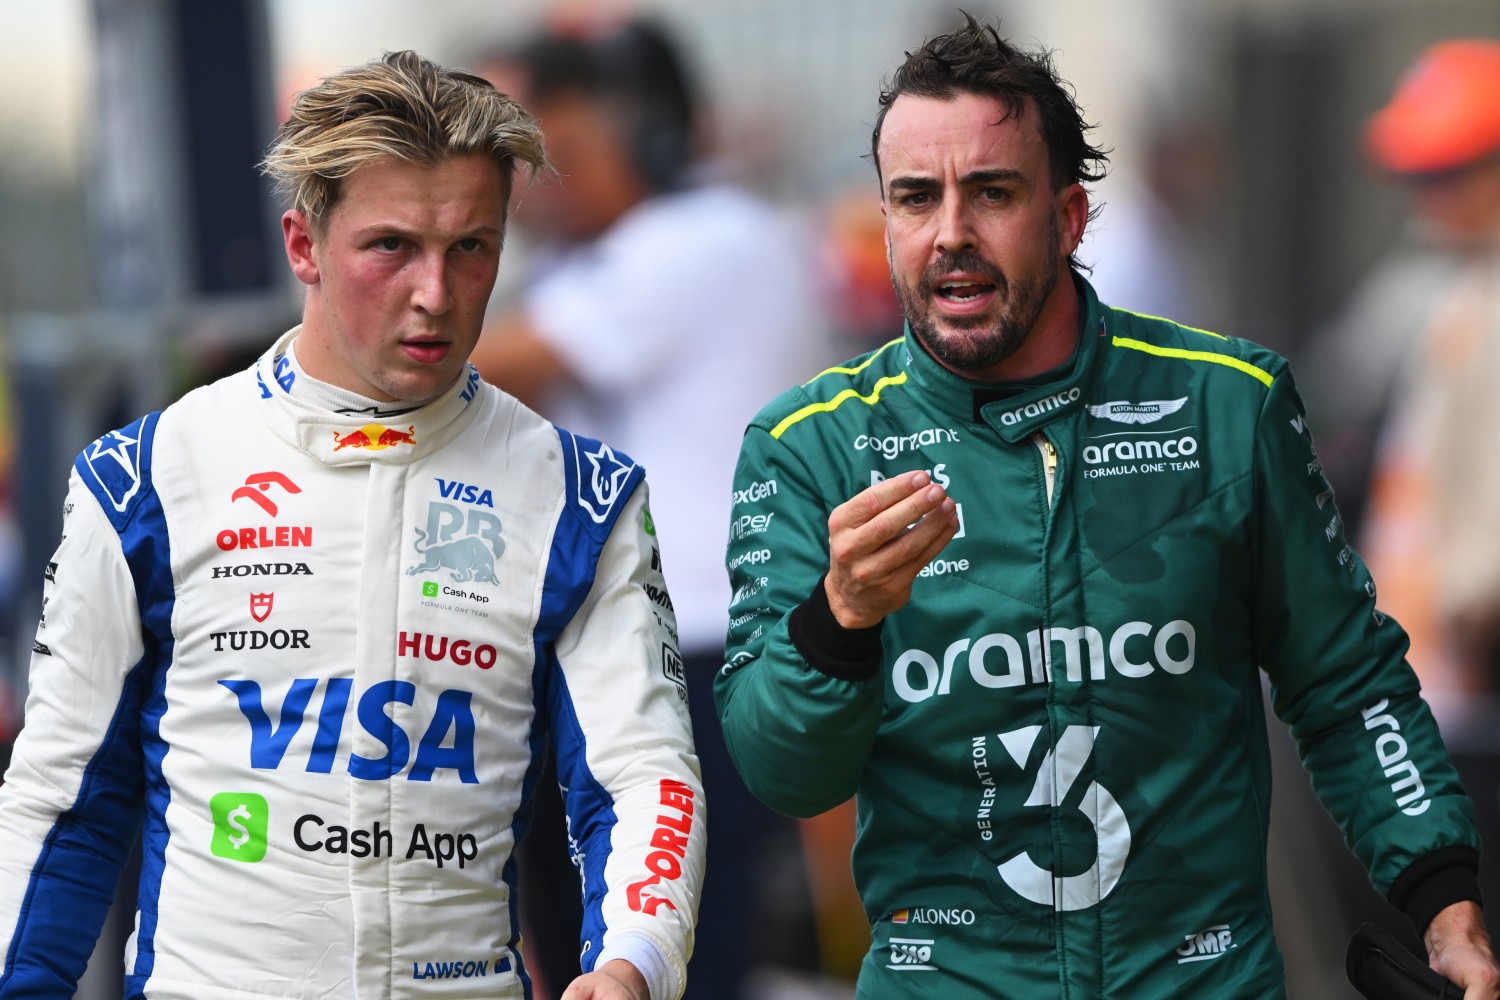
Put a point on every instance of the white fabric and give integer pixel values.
(337, 631)
(680, 322)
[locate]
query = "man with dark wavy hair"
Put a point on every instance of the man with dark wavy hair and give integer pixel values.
(1012, 580)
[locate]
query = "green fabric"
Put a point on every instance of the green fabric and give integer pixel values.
(1190, 538)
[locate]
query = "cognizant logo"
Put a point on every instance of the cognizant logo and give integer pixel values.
(997, 660)
(892, 445)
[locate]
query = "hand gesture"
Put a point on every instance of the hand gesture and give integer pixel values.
(879, 541)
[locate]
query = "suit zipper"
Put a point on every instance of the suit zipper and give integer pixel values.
(1049, 461)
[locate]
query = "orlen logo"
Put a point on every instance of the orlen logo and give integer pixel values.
(892, 445)
(374, 437)
(258, 485)
(279, 537)
(673, 827)
(997, 660)
(439, 648)
(1046, 404)
(1206, 945)
(446, 743)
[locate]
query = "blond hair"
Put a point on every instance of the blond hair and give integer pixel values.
(401, 106)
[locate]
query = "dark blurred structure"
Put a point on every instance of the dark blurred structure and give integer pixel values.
(181, 228)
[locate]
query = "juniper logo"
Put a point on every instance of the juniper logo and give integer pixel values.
(1146, 412)
(240, 821)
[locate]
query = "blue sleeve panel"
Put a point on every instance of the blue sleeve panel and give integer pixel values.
(599, 481)
(78, 869)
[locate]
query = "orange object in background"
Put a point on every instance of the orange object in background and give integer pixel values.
(843, 930)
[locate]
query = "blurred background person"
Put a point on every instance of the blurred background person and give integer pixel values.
(1401, 387)
(663, 302)
(1433, 521)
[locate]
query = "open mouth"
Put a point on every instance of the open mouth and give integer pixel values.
(963, 291)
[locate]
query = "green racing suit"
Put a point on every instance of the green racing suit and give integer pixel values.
(1058, 745)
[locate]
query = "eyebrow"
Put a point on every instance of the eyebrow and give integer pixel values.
(395, 229)
(973, 177)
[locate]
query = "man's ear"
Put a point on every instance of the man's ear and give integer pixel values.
(298, 237)
(1072, 217)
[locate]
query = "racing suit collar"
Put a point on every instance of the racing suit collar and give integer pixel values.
(355, 438)
(1015, 409)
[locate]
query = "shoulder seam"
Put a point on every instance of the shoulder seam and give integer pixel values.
(1163, 319)
(839, 400)
(857, 368)
(1214, 357)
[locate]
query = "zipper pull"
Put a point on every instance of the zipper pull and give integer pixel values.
(1049, 461)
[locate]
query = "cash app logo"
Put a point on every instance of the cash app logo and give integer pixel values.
(240, 821)
(429, 589)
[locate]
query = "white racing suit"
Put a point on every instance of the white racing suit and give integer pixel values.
(314, 659)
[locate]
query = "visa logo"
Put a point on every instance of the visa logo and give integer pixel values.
(453, 714)
(464, 492)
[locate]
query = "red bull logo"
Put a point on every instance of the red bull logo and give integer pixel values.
(375, 437)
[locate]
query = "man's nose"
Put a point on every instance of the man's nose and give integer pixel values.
(955, 226)
(430, 291)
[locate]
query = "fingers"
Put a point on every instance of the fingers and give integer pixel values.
(883, 513)
(878, 543)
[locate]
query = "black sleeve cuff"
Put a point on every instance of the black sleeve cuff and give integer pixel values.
(850, 654)
(1446, 876)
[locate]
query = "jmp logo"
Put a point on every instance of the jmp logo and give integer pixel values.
(466, 543)
(1206, 945)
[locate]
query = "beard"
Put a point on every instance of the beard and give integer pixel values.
(977, 343)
